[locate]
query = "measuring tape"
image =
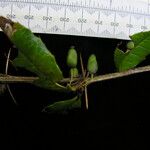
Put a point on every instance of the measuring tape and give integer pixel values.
(97, 18)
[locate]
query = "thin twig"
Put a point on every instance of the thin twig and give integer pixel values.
(84, 79)
(82, 66)
(6, 72)
(18, 79)
(86, 98)
(12, 96)
(7, 61)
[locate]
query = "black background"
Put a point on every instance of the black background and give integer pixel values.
(118, 115)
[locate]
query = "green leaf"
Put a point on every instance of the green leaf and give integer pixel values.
(33, 52)
(22, 61)
(138, 53)
(118, 57)
(63, 107)
(35, 57)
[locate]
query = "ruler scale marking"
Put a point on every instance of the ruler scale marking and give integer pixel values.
(128, 8)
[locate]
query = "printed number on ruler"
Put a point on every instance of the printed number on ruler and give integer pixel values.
(99, 18)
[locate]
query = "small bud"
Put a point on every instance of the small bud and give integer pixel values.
(130, 45)
(74, 72)
(92, 66)
(72, 58)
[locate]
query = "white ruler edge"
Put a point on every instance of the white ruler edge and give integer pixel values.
(97, 18)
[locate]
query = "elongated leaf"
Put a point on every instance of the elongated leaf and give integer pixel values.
(43, 82)
(64, 106)
(33, 54)
(138, 53)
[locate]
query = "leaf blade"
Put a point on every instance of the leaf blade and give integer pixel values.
(138, 53)
(62, 107)
(36, 52)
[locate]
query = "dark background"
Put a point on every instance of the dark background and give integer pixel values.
(118, 115)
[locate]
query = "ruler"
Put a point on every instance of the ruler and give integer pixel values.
(96, 18)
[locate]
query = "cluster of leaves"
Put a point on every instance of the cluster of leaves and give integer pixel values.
(35, 57)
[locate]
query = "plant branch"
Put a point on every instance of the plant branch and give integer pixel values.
(17, 79)
(119, 74)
